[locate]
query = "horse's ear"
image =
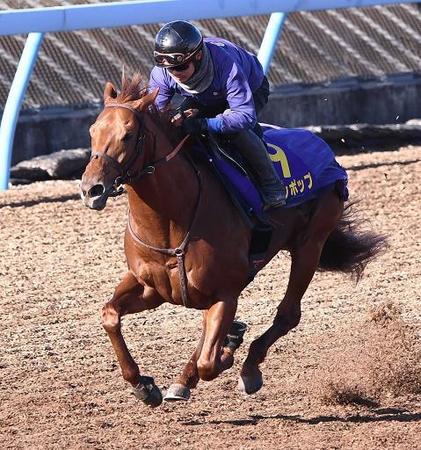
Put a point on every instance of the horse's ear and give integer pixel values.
(110, 91)
(148, 99)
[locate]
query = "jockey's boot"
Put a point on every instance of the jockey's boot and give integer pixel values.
(254, 150)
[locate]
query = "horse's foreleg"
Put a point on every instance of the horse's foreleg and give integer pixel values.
(129, 298)
(214, 358)
(304, 262)
(190, 376)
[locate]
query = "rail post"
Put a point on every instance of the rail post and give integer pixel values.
(14, 102)
(270, 39)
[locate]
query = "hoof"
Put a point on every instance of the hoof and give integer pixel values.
(177, 392)
(148, 392)
(250, 384)
(235, 335)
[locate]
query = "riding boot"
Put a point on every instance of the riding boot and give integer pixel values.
(254, 150)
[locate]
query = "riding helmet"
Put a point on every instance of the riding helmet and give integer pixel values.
(176, 43)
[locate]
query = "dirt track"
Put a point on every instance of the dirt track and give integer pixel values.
(60, 386)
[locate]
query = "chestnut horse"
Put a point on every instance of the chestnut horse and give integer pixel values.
(187, 244)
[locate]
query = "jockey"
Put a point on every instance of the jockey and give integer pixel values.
(227, 86)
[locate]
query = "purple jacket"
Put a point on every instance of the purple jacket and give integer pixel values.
(237, 74)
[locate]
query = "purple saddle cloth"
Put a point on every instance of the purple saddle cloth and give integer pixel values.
(304, 162)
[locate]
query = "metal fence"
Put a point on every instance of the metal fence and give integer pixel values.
(37, 21)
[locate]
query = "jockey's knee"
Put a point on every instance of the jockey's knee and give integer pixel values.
(207, 369)
(110, 318)
(248, 141)
(241, 137)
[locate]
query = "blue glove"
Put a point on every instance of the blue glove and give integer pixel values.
(193, 125)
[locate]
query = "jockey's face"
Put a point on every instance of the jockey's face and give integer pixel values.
(184, 72)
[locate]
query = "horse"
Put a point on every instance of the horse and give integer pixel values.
(186, 243)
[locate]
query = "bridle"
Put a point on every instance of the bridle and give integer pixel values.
(125, 174)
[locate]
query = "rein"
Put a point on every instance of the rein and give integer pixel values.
(125, 177)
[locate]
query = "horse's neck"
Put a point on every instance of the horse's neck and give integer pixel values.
(162, 204)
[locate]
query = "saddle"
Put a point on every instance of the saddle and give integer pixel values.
(304, 162)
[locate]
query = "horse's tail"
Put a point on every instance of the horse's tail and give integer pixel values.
(348, 249)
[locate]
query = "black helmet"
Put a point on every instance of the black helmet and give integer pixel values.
(176, 43)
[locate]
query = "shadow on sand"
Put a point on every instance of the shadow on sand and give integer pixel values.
(382, 164)
(379, 415)
(28, 203)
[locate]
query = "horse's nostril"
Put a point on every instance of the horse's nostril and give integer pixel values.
(96, 191)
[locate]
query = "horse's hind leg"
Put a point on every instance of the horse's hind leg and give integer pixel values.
(129, 298)
(304, 261)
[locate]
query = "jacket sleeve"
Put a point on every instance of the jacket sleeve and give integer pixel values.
(241, 113)
(158, 79)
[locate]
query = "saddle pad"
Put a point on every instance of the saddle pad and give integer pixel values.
(304, 162)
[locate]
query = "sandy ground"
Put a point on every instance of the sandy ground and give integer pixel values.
(60, 387)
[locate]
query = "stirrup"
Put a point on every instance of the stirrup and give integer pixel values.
(274, 204)
(275, 198)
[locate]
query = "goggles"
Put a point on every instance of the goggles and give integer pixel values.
(169, 60)
(180, 68)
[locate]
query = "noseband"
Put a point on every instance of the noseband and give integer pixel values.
(124, 173)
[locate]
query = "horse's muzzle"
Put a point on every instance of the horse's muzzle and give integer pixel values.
(94, 197)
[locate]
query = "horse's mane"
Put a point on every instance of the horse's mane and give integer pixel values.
(135, 88)
(132, 88)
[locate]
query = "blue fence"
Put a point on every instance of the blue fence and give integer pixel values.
(38, 21)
